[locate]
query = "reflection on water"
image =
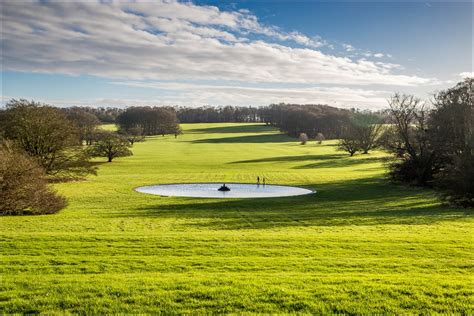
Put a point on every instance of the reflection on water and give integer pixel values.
(210, 190)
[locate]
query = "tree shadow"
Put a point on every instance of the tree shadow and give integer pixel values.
(370, 201)
(345, 161)
(269, 138)
(319, 161)
(291, 158)
(253, 128)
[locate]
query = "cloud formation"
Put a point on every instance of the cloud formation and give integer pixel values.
(143, 43)
(204, 94)
(172, 41)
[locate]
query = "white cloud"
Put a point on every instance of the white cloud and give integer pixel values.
(159, 45)
(202, 94)
(173, 41)
(467, 74)
(348, 47)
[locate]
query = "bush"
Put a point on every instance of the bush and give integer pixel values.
(23, 187)
(457, 181)
(319, 138)
(303, 138)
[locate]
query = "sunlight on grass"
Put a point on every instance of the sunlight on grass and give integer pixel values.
(359, 245)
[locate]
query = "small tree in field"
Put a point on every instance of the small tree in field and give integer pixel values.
(23, 188)
(349, 145)
(319, 138)
(368, 136)
(110, 145)
(303, 138)
(349, 141)
(134, 135)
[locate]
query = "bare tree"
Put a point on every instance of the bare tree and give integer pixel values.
(368, 136)
(349, 141)
(410, 142)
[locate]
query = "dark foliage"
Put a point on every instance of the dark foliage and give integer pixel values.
(451, 132)
(85, 123)
(133, 135)
(310, 119)
(110, 145)
(23, 187)
(210, 114)
(152, 120)
(104, 114)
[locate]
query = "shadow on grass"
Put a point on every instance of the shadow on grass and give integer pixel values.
(270, 138)
(369, 201)
(293, 158)
(254, 128)
(319, 161)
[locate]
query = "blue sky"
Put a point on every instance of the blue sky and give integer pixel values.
(348, 54)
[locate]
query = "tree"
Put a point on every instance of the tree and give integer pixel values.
(310, 119)
(86, 123)
(23, 187)
(368, 136)
(110, 145)
(45, 133)
(319, 138)
(349, 141)
(153, 121)
(303, 138)
(134, 135)
(410, 142)
(451, 133)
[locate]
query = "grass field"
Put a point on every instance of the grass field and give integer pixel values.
(359, 245)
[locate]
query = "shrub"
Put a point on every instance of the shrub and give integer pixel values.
(303, 138)
(23, 187)
(319, 138)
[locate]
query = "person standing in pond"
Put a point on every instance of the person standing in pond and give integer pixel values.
(263, 180)
(258, 180)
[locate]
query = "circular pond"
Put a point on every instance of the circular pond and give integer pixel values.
(211, 190)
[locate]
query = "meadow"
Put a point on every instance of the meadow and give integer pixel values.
(360, 245)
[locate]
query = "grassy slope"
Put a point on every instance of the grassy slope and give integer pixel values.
(358, 245)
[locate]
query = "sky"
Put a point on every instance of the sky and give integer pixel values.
(248, 53)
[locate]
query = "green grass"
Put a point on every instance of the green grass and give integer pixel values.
(359, 245)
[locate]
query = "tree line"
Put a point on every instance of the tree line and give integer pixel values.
(293, 119)
(208, 114)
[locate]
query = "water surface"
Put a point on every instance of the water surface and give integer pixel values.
(237, 190)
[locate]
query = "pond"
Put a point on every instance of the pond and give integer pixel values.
(211, 190)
